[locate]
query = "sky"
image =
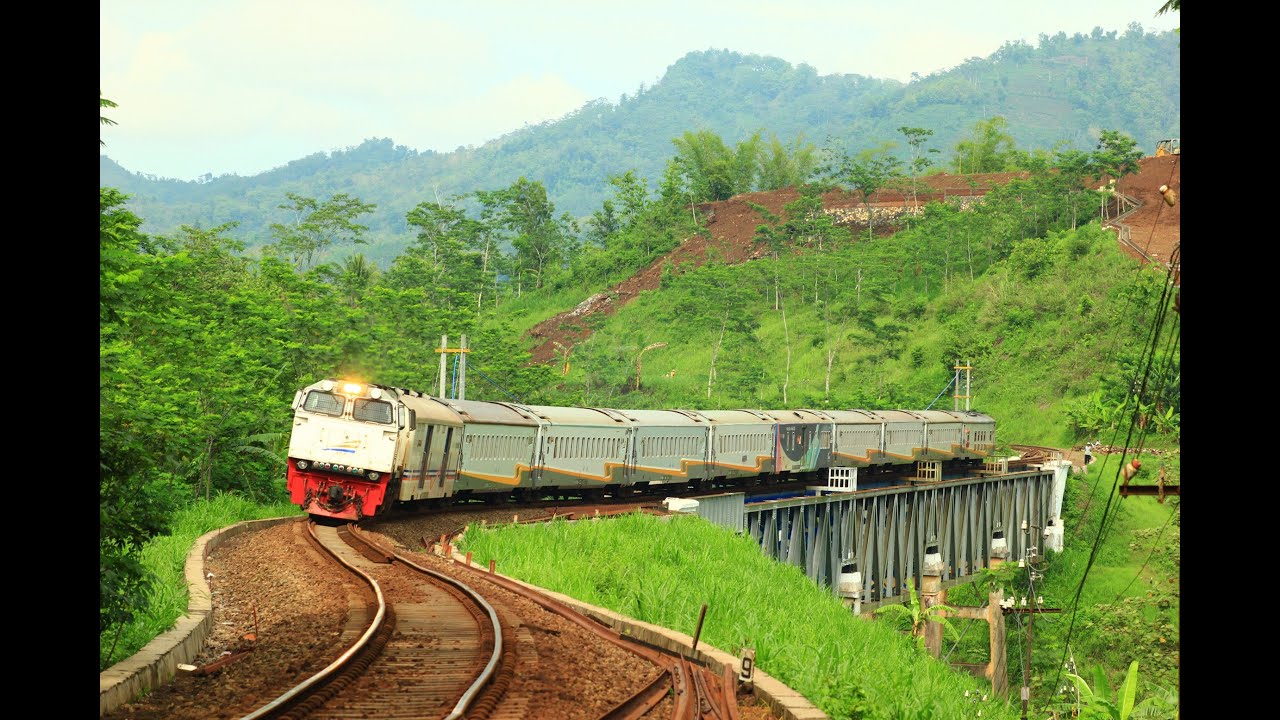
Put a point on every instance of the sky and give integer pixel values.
(244, 86)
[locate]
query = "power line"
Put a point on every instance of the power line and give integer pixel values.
(491, 382)
(1149, 345)
(948, 387)
(1149, 352)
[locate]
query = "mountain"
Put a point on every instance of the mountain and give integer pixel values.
(1065, 90)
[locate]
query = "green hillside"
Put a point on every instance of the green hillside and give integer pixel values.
(205, 338)
(1064, 90)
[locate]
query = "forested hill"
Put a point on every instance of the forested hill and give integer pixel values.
(1066, 89)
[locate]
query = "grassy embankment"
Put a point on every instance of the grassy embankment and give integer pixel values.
(164, 558)
(662, 571)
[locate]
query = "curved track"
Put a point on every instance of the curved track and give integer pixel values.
(428, 651)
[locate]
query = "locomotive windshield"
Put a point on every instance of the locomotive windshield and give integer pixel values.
(377, 411)
(319, 401)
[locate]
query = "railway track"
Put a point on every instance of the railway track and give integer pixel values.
(432, 645)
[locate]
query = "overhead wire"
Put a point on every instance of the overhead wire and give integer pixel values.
(1149, 344)
(1108, 518)
(491, 382)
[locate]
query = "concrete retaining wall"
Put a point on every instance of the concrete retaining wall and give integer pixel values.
(157, 663)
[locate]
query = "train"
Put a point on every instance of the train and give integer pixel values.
(358, 450)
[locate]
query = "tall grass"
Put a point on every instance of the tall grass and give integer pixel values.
(662, 571)
(164, 558)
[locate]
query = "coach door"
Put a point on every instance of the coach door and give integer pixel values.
(444, 464)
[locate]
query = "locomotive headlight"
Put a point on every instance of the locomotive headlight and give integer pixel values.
(373, 475)
(327, 385)
(352, 388)
(303, 464)
(375, 393)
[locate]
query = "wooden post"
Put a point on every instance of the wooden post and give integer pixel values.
(931, 594)
(698, 632)
(996, 669)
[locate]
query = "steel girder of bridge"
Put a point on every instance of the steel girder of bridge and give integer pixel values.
(886, 531)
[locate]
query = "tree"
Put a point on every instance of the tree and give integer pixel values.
(446, 259)
(357, 275)
(916, 138)
(917, 615)
(316, 226)
(1098, 702)
(540, 238)
(785, 166)
(131, 510)
(707, 165)
(987, 149)
(865, 174)
(1117, 155)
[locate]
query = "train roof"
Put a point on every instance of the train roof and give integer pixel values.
(968, 416)
(736, 416)
(849, 417)
(899, 416)
(578, 415)
(431, 410)
(664, 417)
(939, 416)
(793, 416)
(489, 413)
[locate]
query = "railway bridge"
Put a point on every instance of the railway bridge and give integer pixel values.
(866, 543)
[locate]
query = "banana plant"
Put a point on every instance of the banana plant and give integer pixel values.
(918, 615)
(1097, 702)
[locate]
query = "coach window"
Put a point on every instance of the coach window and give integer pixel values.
(323, 402)
(367, 410)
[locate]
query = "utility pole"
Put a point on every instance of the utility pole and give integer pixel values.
(462, 370)
(444, 348)
(460, 384)
(966, 368)
(1027, 528)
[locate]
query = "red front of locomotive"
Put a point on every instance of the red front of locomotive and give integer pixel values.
(343, 449)
(335, 495)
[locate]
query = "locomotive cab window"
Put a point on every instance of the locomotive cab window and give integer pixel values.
(326, 403)
(377, 411)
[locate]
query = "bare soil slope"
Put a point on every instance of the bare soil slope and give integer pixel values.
(1153, 227)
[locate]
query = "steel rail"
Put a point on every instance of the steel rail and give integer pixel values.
(293, 693)
(468, 697)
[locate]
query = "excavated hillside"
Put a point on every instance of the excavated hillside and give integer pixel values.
(1151, 231)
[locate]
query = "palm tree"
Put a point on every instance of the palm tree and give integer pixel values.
(105, 103)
